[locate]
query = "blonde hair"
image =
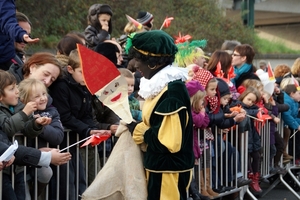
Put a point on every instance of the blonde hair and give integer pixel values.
(131, 28)
(195, 100)
(295, 69)
(28, 86)
(285, 82)
(74, 60)
(126, 73)
(253, 83)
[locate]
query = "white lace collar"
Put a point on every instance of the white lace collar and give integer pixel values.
(149, 88)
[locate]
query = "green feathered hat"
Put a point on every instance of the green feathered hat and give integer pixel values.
(153, 43)
(188, 51)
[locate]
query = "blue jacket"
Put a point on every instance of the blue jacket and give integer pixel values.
(290, 117)
(10, 30)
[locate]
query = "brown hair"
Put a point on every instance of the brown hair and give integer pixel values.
(248, 91)
(219, 56)
(40, 59)
(290, 88)
(281, 70)
(6, 79)
(68, 43)
(27, 86)
(246, 50)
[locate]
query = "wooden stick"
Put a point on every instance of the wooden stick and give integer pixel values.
(162, 25)
(75, 143)
(255, 118)
(294, 134)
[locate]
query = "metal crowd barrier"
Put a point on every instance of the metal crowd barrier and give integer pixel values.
(224, 161)
(265, 164)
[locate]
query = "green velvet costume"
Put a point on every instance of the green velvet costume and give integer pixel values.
(167, 131)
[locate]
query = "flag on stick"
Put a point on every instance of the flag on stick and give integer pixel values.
(167, 22)
(96, 139)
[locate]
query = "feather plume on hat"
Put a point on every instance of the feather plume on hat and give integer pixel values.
(188, 51)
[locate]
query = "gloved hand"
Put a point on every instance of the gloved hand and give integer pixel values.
(132, 126)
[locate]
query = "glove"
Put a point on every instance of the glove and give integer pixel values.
(131, 126)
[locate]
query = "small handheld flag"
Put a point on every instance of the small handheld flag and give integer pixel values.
(167, 22)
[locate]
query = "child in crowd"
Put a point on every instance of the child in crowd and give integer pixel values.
(200, 121)
(73, 102)
(210, 83)
(134, 104)
(248, 99)
(290, 117)
(233, 154)
(33, 90)
(15, 117)
(100, 26)
(146, 19)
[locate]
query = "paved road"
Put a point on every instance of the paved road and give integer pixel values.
(279, 192)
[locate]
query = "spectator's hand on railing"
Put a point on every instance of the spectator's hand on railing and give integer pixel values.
(4, 164)
(100, 132)
(58, 158)
(276, 120)
(113, 128)
(239, 117)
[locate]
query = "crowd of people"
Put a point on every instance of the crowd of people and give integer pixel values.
(178, 97)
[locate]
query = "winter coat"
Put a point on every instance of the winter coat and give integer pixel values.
(200, 121)
(10, 31)
(290, 117)
(93, 37)
(52, 133)
(74, 104)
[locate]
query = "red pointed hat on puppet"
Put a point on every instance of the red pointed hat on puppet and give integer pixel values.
(138, 25)
(270, 72)
(296, 83)
(103, 79)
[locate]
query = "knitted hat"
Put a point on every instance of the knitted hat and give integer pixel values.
(193, 87)
(108, 50)
(145, 18)
(223, 87)
(154, 43)
(202, 75)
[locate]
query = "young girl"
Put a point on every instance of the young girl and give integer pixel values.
(248, 99)
(210, 83)
(15, 117)
(100, 27)
(200, 121)
(32, 90)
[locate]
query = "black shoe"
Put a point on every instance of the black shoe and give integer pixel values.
(242, 182)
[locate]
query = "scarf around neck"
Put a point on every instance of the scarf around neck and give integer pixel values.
(239, 71)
